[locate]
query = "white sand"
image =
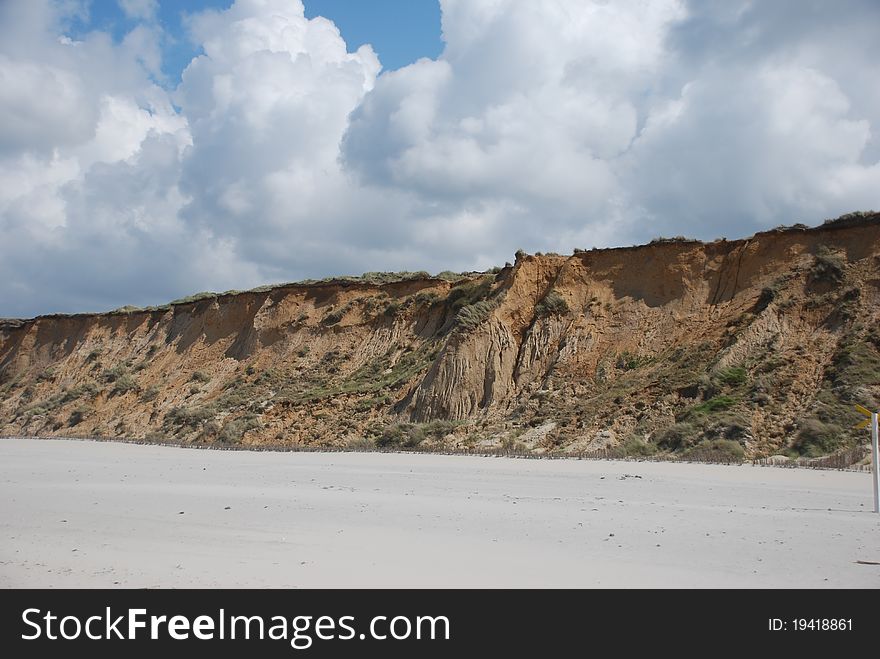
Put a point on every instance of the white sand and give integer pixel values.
(103, 514)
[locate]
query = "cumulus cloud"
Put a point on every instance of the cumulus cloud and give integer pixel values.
(140, 9)
(545, 126)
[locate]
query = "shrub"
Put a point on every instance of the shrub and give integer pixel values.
(677, 436)
(113, 374)
(360, 444)
(336, 315)
(123, 384)
(553, 304)
(194, 298)
(719, 450)
(716, 404)
(439, 429)
(448, 275)
(827, 266)
(234, 431)
(368, 404)
(733, 376)
(150, 393)
(637, 447)
(47, 375)
(190, 417)
(78, 415)
(815, 438)
(199, 376)
(425, 298)
(469, 292)
(627, 361)
(768, 294)
(405, 435)
(472, 315)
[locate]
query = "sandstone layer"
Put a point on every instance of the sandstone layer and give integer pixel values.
(740, 348)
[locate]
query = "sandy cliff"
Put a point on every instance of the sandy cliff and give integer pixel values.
(759, 345)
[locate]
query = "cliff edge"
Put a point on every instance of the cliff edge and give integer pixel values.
(749, 347)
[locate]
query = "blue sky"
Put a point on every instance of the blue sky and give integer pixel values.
(400, 31)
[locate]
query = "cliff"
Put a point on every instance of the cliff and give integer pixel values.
(747, 347)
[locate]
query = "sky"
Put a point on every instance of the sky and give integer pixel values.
(150, 149)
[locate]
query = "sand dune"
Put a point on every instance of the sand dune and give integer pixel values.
(105, 514)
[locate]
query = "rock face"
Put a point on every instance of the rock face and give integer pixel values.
(751, 347)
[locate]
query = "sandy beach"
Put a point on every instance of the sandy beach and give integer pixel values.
(94, 514)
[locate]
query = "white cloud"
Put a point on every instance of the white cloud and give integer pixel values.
(542, 125)
(140, 9)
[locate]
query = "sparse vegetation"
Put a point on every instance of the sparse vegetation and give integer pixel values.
(47, 375)
(188, 417)
(717, 450)
(334, 316)
(677, 436)
(815, 438)
(233, 432)
(78, 415)
(151, 393)
(716, 404)
(553, 304)
(411, 435)
(123, 384)
(827, 266)
(473, 315)
(733, 376)
(627, 361)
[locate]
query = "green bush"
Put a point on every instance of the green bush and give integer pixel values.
(677, 436)
(627, 361)
(733, 376)
(403, 435)
(439, 429)
(718, 450)
(188, 417)
(234, 431)
(815, 438)
(553, 304)
(113, 374)
(199, 376)
(716, 404)
(637, 447)
(470, 292)
(123, 384)
(425, 298)
(473, 315)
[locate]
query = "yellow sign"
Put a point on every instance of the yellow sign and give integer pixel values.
(862, 424)
(863, 410)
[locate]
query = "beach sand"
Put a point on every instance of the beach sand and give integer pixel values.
(102, 514)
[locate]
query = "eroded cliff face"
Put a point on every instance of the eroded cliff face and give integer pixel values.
(762, 344)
